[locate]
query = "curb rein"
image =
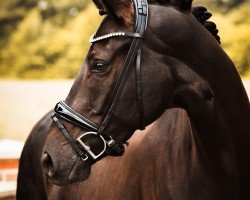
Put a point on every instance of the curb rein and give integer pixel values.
(62, 110)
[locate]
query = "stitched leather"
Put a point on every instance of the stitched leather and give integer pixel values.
(67, 113)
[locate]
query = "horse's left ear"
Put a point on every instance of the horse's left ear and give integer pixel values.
(123, 10)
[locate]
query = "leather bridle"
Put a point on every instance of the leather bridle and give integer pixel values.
(97, 131)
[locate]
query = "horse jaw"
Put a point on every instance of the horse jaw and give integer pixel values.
(79, 172)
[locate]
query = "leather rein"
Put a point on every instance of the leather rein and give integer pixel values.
(62, 110)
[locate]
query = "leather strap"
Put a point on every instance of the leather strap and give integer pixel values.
(71, 115)
(117, 91)
(68, 137)
(139, 89)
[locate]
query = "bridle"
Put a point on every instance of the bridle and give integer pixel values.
(97, 131)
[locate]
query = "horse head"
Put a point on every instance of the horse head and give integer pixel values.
(142, 61)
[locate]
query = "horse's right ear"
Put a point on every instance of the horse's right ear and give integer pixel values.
(101, 7)
(121, 9)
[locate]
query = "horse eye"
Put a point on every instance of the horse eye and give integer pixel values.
(98, 67)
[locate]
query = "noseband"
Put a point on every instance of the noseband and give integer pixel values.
(97, 131)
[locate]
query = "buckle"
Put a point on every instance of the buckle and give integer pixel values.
(115, 147)
(142, 7)
(86, 157)
(94, 152)
(111, 143)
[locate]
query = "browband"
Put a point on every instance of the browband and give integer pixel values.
(94, 39)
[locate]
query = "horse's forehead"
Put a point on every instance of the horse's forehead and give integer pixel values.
(110, 24)
(107, 25)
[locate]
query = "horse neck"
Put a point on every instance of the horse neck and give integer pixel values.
(223, 121)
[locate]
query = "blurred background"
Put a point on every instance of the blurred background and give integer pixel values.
(43, 44)
(42, 41)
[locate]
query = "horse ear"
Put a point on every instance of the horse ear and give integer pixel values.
(122, 10)
(101, 7)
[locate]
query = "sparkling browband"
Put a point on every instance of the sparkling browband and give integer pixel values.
(116, 34)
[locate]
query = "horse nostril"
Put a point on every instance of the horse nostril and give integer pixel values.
(48, 164)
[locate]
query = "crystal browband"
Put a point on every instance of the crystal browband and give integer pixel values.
(116, 34)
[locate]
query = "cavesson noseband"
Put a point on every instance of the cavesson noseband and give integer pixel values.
(97, 131)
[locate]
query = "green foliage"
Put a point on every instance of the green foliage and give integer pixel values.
(234, 29)
(21, 54)
(45, 49)
(49, 39)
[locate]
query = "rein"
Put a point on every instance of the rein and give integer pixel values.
(97, 131)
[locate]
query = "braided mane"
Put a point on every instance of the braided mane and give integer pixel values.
(200, 13)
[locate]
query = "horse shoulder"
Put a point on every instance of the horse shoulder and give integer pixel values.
(31, 180)
(176, 167)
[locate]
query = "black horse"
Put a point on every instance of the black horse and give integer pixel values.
(182, 66)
